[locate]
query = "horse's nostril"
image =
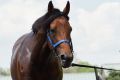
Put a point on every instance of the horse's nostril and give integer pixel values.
(63, 57)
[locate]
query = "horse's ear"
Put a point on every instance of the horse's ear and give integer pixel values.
(67, 8)
(50, 7)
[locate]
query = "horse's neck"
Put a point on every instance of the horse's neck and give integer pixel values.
(38, 49)
(44, 63)
(42, 55)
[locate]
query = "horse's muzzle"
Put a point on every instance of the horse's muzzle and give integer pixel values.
(66, 60)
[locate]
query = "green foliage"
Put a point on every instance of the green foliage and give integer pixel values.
(114, 75)
(78, 69)
(4, 72)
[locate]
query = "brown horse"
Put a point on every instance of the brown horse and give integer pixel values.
(41, 54)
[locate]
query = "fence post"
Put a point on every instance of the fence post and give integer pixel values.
(96, 73)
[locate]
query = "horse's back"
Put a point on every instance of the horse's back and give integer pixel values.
(21, 55)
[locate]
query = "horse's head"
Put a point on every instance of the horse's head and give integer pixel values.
(59, 37)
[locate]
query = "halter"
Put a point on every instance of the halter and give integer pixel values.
(54, 45)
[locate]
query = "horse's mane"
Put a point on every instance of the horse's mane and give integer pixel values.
(44, 21)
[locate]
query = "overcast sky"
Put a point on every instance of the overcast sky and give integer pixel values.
(95, 23)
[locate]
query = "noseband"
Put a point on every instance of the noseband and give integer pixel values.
(54, 45)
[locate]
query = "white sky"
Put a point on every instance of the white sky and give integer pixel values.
(96, 25)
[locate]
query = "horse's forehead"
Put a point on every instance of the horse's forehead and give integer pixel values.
(59, 21)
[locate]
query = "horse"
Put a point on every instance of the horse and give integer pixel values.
(43, 53)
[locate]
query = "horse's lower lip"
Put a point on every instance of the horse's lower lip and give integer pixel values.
(65, 64)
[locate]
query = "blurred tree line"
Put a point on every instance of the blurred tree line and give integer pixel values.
(114, 75)
(4, 72)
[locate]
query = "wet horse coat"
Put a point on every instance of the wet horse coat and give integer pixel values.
(34, 56)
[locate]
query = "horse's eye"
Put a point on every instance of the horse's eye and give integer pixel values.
(52, 31)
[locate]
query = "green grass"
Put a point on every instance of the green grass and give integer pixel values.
(114, 75)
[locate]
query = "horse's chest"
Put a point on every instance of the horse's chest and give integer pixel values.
(49, 71)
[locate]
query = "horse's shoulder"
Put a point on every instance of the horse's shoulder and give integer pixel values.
(19, 41)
